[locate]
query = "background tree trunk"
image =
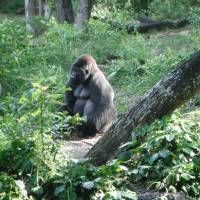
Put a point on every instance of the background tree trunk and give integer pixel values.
(83, 13)
(0, 89)
(169, 93)
(47, 10)
(60, 11)
(64, 11)
(41, 7)
(147, 24)
(30, 11)
(44, 9)
(69, 11)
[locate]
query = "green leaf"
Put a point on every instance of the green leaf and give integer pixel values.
(88, 185)
(163, 154)
(187, 137)
(59, 190)
(123, 168)
(153, 158)
(126, 155)
(186, 177)
(135, 171)
(172, 189)
(169, 138)
(129, 195)
(37, 190)
(188, 151)
(171, 179)
(21, 185)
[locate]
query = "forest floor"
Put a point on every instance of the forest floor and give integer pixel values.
(77, 148)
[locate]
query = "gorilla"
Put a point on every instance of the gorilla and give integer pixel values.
(91, 96)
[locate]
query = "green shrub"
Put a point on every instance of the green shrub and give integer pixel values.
(194, 16)
(12, 40)
(11, 6)
(167, 152)
(11, 188)
(83, 181)
(27, 148)
(169, 9)
(102, 41)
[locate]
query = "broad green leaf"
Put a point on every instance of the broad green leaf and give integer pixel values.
(59, 190)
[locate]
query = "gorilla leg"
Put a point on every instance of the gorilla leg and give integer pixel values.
(89, 127)
(99, 119)
(86, 129)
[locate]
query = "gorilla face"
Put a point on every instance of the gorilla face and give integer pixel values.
(79, 74)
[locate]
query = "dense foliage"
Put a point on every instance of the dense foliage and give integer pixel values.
(11, 6)
(33, 69)
(168, 153)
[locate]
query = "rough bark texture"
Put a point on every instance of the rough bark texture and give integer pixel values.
(30, 11)
(83, 13)
(69, 11)
(30, 8)
(169, 93)
(40, 7)
(47, 10)
(64, 11)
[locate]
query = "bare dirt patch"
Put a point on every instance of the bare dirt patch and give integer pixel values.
(77, 148)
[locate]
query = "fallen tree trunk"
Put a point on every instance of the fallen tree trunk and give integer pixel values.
(146, 24)
(169, 93)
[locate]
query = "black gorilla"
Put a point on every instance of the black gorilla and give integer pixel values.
(91, 96)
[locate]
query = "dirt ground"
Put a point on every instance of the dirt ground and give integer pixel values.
(77, 148)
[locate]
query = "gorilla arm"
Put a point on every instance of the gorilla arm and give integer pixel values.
(99, 109)
(69, 101)
(82, 95)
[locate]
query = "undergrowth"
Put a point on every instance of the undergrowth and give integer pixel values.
(33, 71)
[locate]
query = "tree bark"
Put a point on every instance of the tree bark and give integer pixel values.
(169, 93)
(60, 11)
(40, 5)
(44, 9)
(47, 10)
(64, 11)
(145, 24)
(30, 11)
(83, 13)
(0, 89)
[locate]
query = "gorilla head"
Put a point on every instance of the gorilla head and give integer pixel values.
(81, 70)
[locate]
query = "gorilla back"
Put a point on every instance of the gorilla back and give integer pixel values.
(91, 96)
